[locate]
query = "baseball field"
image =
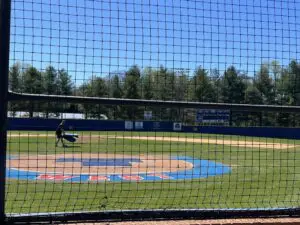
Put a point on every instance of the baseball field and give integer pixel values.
(149, 170)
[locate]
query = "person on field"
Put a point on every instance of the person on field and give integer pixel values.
(60, 133)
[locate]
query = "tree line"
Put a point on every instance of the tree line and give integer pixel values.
(272, 84)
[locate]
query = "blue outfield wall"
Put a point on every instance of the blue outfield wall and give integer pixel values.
(166, 126)
(37, 124)
(269, 132)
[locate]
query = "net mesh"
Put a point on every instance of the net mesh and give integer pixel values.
(116, 156)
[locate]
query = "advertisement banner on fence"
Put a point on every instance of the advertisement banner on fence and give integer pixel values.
(177, 126)
(128, 125)
(139, 125)
(156, 125)
(213, 116)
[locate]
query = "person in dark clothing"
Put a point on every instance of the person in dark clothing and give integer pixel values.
(60, 133)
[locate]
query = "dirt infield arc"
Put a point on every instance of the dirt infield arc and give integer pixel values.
(238, 143)
(94, 164)
(110, 167)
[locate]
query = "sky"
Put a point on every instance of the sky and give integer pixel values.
(100, 37)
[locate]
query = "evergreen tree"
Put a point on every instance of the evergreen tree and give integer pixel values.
(33, 84)
(15, 85)
(50, 88)
(131, 90)
(265, 85)
(95, 87)
(253, 96)
(204, 91)
(147, 84)
(233, 87)
(64, 83)
(14, 78)
(116, 89)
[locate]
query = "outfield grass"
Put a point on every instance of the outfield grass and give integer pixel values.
(166, 134)
(260, 178)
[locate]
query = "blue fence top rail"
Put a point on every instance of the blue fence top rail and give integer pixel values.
(38, 124)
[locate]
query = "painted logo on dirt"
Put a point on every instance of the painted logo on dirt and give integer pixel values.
(111, 168)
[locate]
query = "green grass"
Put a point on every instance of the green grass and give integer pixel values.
(168, 134)
(265, 178)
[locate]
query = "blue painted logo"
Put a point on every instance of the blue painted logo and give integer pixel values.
(200, 169)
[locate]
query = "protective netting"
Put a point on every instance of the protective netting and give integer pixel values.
(145, 156)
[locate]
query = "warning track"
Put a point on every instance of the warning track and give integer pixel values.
(212, 141)
(237, 143)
